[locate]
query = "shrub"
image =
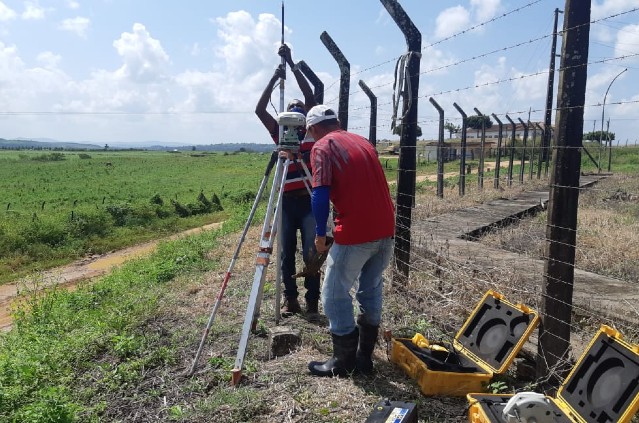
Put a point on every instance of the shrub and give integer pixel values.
(51, 157)
(119, 213)
(162, 212)
(84, 156)
(180, 209)
(87, 223)
(156, 199)
(242, 196)
(47, 232)
(217, 205)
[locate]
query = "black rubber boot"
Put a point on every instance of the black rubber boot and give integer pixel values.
(342, 363)
(367, 340)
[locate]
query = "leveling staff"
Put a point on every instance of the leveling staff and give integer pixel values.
(347, 171)
(296, 201)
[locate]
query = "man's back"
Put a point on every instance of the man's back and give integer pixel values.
(349, 164)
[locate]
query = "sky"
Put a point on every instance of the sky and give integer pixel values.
(191, 72)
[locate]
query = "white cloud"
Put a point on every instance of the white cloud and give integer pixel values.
(435, 62)
(144, 58)
(451, 20)
(49, 60)
(485, 9)
(628, 42)
(6, 13)
(610, 7)
(32, 11)
(247, 45)
(195, 49)
(487, 93)
(72, 4)
(529, 88)
(10, 62)
(78, 25)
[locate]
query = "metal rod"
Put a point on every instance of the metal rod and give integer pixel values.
(498, 158)
(318, 85)
(522, 169)
(482, 146)
(511, 158)
(372, 123)
(462, 160)
(344, 80)
(440, 150)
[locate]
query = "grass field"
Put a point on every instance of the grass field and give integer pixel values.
(58, 206)
(117, 349)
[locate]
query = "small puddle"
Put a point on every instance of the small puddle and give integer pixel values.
(70, 275)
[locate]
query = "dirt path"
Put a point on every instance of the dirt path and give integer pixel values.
(70, 275)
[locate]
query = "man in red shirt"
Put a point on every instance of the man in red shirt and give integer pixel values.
(296, 200)
(346, 171)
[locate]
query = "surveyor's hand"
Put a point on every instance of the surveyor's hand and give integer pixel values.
(280, 72)
(321, 245)
(314, 264)
(285, 52)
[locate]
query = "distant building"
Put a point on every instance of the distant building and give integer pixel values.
(493, 131)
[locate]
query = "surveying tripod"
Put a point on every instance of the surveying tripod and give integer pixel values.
(280, 159)
(272, 222)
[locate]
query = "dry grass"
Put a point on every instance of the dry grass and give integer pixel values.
(607, 230)
(435, 301)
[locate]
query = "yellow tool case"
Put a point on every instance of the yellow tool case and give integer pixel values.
(486, 345)
(603, 387)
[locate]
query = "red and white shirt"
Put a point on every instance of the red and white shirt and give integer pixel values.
(349, 165)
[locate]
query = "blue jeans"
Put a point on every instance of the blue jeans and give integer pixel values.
(297, 215)
(346, 265)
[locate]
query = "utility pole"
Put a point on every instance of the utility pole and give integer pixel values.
(561, 228)
(549, 92)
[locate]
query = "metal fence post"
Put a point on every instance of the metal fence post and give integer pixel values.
(318, 85)
(511, 159)
(440, 150)
(522, 170)
(541, 150)
(482, 146)
(408, 141)
(344, 80)
(372, 123)
(498, 158)
(531, 165)
(462, 147)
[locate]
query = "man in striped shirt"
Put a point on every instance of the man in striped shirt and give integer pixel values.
(296, 200)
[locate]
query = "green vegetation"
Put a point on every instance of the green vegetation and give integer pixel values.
(60, 206)
(70, 352)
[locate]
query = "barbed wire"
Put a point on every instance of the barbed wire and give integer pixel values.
(520, 44)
